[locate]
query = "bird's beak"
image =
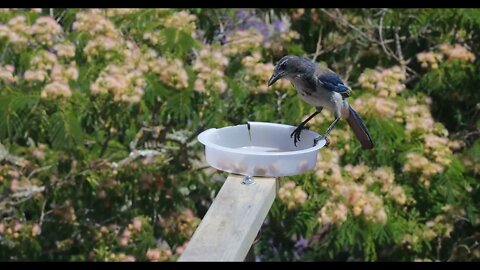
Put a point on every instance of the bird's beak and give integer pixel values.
(275, 77)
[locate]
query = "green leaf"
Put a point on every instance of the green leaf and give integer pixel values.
(179, 106)
(294, 109)
(13, 108)
(92, 180)
(177, 41)
(65, 131)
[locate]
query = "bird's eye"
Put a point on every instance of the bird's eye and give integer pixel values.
(283, 65)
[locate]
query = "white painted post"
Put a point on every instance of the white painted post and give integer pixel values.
(232, 222)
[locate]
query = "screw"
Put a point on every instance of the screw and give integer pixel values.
(248, 180)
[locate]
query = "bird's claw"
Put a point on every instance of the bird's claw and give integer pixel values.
(319, 138)
(296, 134)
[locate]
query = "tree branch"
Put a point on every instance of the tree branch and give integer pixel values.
(42, 214)
(39, 170)
(105, 143)
(346, 23)
(318, 50)
(380, 33)
(399, 48)
(381, 42)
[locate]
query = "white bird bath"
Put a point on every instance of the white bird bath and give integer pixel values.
(266, 149)
(256, 149)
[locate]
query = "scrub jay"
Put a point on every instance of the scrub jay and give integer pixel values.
(321, 87)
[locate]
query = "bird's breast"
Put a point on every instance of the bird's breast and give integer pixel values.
(320, 97)
(315, 96)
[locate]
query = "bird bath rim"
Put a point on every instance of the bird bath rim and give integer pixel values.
(202, 138)
(260, 149)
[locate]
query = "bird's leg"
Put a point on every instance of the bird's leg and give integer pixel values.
(296, 133)
(324, 136)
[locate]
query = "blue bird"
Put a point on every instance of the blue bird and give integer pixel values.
(321, 87)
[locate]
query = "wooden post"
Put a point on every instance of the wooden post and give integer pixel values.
(232, 222)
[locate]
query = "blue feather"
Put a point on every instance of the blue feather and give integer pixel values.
(333, 82)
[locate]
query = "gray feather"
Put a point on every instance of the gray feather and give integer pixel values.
(359, 129)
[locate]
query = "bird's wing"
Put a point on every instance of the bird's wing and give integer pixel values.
(332, 82)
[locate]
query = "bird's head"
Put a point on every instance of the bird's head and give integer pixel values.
(290, 66)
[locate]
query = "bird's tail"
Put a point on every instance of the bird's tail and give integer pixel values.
(356, 123)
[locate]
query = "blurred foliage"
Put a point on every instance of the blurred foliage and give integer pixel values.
(100, 109)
